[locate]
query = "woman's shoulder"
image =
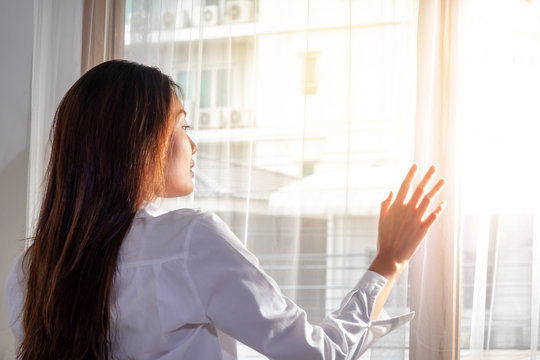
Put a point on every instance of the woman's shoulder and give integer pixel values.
(163, 234)
(154, 214)
(194, 230)
(211, 237)
(184, 217)
(204, 227)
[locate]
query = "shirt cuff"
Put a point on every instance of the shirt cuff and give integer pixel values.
(382, 327)
(372, 284)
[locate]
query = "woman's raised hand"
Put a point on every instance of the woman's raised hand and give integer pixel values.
(404, 222)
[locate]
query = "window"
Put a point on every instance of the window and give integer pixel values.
(501, 77)
(302, 121)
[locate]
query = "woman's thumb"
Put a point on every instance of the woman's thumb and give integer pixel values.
(385, 205)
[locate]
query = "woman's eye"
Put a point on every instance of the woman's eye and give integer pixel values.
(186, 127)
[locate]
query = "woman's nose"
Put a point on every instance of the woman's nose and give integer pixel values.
(193, 146)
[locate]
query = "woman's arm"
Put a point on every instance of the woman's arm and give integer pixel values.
(241, 300)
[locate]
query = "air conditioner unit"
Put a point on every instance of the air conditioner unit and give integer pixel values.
(138, 26)
(239, 118)
(168, 20)
(210, 119)
(238, 11)
(185, 19)
(209, 15)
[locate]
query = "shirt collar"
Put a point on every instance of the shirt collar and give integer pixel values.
(152, 209)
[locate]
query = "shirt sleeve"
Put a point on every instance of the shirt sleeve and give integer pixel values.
(242, 301)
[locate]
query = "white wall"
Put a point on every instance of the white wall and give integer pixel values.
(16, 31)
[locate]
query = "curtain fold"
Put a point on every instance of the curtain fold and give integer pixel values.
(70, 37)
(102, 32)
(474, 280)
(535, 296)
(435, 268)
(56, 66)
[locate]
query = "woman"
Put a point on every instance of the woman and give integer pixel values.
(109, 275)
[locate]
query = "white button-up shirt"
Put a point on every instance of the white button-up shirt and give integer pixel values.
(186, 285)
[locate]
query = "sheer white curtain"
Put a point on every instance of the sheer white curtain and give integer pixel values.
(474, 282)
(303, 112)
(70, 37)
(435, 267)
(56, 65)
(500, 113)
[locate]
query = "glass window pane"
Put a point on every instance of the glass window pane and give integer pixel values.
(206, 89)
(222, 88)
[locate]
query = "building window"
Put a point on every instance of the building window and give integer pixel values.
(310, 75)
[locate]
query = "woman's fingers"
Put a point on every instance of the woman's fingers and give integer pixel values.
(402, 226)
(428, 198)
(422, 185)
(406, 184)
(426, 224)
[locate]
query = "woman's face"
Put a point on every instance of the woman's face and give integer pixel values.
(178, 173)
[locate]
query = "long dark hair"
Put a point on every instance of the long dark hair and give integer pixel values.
(111, 133)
